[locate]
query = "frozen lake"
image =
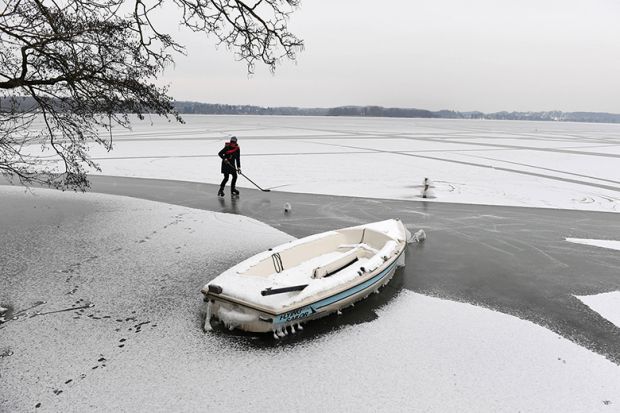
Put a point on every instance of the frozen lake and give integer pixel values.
(536, 164)
(501, 309)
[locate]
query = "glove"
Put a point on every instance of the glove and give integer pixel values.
(238, 170)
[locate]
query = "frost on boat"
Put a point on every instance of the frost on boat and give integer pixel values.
(307, 278)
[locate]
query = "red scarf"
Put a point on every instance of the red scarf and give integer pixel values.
(233, 148)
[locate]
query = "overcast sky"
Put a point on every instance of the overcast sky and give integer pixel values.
(487, 55)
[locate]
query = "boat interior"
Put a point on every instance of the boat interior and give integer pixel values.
(323, 256)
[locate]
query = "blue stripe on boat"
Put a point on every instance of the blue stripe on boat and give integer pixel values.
(306, 311)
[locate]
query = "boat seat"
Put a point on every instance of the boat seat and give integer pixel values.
(361, 246)
(336, 265)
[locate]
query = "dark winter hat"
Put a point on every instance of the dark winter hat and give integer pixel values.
(233, 139)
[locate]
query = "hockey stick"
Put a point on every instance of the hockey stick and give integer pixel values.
(264, 190)
(254, 183)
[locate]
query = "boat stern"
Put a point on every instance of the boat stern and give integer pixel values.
(233, 315)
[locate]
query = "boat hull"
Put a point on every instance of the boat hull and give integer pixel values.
(259, 320)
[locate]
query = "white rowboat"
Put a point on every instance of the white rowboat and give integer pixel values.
(307, 278)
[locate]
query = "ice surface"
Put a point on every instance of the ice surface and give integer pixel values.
(536, 164)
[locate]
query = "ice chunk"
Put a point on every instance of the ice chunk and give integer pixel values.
(207, 326)
(233, 318)
(419, 236)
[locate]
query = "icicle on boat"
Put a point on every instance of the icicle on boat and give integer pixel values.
(305, 279)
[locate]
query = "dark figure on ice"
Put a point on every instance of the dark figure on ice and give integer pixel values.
(231, 156)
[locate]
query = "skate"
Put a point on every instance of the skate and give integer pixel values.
(220, 192)
(234, 192)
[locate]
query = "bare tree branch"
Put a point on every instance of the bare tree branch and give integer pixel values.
(71, 69)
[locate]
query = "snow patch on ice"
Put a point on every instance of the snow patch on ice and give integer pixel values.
(610, 244)
(446, 354)
(606, 304)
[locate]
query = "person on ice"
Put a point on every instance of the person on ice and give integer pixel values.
(231, 156)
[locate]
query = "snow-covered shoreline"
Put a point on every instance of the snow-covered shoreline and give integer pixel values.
(421, 353)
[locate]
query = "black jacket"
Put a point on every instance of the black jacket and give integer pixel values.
(231, 156)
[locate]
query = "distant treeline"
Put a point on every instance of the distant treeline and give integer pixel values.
(27, 104)
(379, 111)
(218, 109)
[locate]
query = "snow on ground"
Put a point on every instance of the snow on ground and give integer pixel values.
(535, 164)
(141, 348)
(606, 304)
